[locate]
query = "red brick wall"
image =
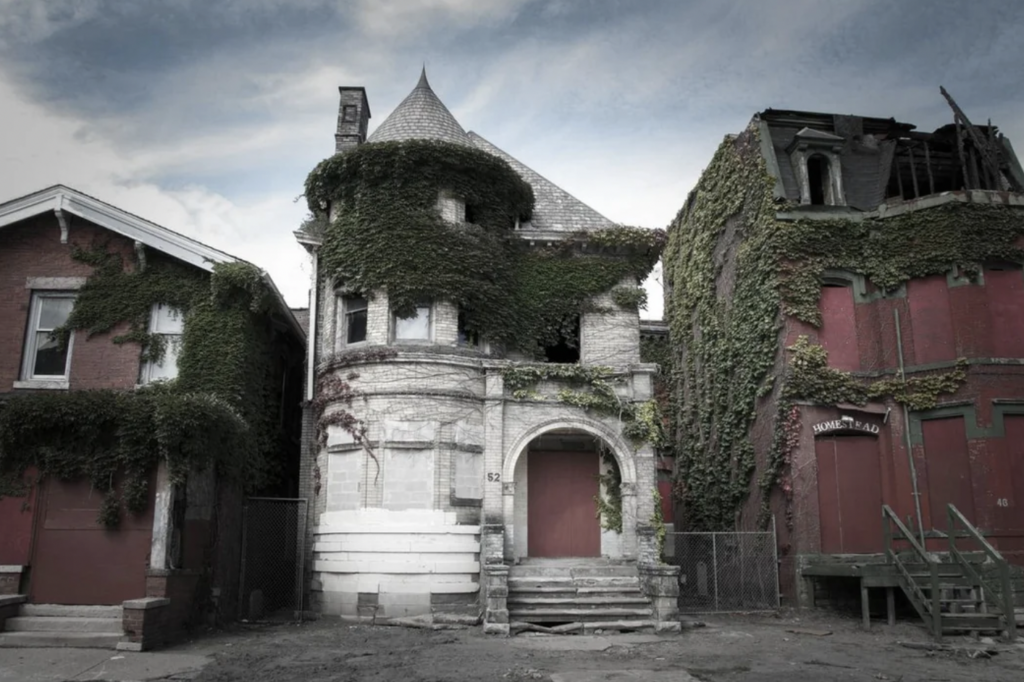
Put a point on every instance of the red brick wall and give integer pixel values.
(33, 249)
(16, 514)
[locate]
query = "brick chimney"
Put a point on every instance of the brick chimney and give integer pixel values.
(353, 118)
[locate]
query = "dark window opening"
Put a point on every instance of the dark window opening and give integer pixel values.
(348, 113)
(471, 214)
(1000, 265)
(818, 178)
(467, 337)
(355, 319)
(567, 350)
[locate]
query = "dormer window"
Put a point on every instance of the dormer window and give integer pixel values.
(814, 155)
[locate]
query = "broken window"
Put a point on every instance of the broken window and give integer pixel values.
(819, 179)
(353, 319)
(466, 336)
(567, 348)
(415, 327)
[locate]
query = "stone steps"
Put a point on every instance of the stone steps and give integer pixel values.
(59, 625)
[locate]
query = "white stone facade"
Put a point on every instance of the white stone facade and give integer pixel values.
(397, 521)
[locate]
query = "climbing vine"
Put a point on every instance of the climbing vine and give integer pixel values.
(388, 234)
(734, 270)
(222, 410)
(609, 504)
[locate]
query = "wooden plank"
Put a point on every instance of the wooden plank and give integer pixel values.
(890, 606)
(928, 167)
(960, 154)
(865, 606)
(913, 171)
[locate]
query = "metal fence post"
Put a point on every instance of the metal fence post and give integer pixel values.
(714, 564)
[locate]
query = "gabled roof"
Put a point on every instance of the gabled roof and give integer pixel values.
(421, 116)
(555, 210)
(67, 201)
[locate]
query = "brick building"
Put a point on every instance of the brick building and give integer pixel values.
(172, 560)
(455, 479)
(896, 253)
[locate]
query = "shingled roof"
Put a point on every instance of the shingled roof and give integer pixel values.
(555, 210)
(421, 116)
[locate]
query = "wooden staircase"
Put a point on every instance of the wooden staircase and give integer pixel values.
(955, 591)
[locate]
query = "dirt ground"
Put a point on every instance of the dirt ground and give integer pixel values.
(787, 646)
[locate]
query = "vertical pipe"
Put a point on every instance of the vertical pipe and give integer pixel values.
(714, 564)
(906, 431)
(311, 333)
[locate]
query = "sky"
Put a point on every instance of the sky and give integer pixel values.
(205, 116)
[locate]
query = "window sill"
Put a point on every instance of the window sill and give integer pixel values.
(43, 384)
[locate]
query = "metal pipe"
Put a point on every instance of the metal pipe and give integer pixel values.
(311, 343)
(906, 431)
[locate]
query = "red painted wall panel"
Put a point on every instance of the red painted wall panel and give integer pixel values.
(971, 321)
(1011, 515)
(948, 468)
(16, 515)
(838, 333)
(1005, 291)
(931, 320)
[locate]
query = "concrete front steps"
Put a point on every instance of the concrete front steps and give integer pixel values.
(577, 595)
(57, 625)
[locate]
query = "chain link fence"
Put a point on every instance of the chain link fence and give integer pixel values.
(736, 571)
(273, 557)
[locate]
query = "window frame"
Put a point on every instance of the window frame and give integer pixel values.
(146, 368)
(429, 306)
(30, 347)
(342, 319)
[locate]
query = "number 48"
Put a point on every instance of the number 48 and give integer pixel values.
(1002, 502)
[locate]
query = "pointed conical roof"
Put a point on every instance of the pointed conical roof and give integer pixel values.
(421, 116)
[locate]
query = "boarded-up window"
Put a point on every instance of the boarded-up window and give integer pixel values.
(468, 475)
(838, 333)
(1004, 285)
(947, 468)
(931, 320)
(408, 479)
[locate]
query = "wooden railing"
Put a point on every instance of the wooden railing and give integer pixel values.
(999, 595)
(929, 608)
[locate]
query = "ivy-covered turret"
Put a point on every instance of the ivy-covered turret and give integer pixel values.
(465, 308)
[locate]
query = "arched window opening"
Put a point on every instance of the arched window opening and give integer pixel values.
(818, 179)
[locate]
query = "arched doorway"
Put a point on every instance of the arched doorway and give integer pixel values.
(561, 472)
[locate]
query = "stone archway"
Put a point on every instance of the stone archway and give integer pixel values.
(551, 474)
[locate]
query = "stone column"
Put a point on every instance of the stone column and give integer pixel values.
(661, 585)
(496, 607)
(494, 405)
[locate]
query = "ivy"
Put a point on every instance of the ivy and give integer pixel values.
(734, 271)
(630, 298)
(222, 410)
(658, 523)
(609, 504)
(388, 235)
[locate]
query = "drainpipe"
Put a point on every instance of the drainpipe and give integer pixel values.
(311, 334)
(906, 431)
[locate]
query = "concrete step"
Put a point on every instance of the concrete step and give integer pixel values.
(89, 640)
(612, 571)
(51, 624)
(569, 592)
(519, 601)
(71, 611)
(576, 615)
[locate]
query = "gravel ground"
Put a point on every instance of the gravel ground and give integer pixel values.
(787, 646)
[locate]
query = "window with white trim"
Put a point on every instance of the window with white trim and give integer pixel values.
(168, 323)
(415, 327)
(45, 359)
(352, 319)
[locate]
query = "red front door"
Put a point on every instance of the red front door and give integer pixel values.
(849, 494)
(561, 511)
(77, 561)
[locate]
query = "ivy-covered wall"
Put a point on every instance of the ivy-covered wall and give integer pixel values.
(736, 273)
(389, 235)
(226, 408)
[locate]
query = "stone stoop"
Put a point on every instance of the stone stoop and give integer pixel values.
(576, 595)
(58, 625)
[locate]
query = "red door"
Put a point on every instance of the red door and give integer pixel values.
(561, 511)
(77, 561)
(849, 494)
